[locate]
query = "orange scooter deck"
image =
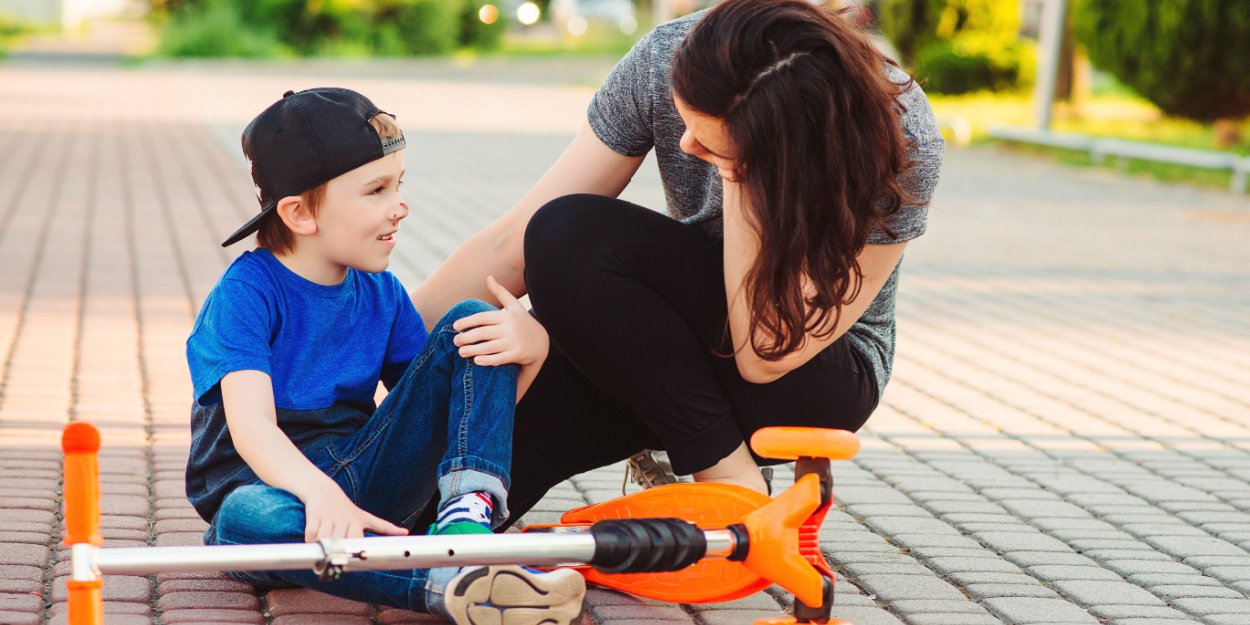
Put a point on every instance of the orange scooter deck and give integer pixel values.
(710, 505)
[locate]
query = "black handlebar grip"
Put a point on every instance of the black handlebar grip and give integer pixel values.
(646, 545)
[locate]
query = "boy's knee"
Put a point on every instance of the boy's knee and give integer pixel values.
(467, 308)
(259, 514)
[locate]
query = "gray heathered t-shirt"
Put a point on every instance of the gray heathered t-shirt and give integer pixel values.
(633, 112)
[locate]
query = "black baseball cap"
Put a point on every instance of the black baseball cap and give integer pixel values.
(306, 139)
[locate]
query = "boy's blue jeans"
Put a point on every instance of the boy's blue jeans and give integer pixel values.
(446, 417)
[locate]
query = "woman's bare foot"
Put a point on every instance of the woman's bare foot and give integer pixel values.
(736, 468)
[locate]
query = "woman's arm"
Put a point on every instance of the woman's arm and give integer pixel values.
(586, 166)
(741, 247)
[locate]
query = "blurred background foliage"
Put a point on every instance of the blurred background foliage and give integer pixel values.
(961, 46)
(1175, 72)
(1191, 58)
(277, 28)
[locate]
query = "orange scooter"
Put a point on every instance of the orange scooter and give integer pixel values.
(686, 543)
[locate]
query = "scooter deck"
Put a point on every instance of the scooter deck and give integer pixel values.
(705, 504)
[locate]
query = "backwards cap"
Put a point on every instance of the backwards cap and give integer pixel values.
(307, 139)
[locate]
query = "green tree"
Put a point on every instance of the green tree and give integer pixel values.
(958, 46)
(1191, 58)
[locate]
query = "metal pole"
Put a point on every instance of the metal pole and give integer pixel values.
(374, 553)
(1050, 41)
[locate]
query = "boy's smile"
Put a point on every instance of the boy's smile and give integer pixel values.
(356, 223)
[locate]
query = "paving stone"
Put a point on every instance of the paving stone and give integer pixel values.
(991, 590)
(736, 617)
(110, 607)
(1030, 509)
(859, 569)
(1237, 618)
(874, 557)
(1002, 518)
(1228, 574)
(127, 588)
(1033, 558)
(304, 601)
(1092, 593)
(1015, 541)
(17, 554)
(1149, 621)
(1023, 611)
(873, 510)
(911, 608)
(20, 602)
(19, 618)
(216, 600)
(21, 572)
(953, 619)
(1160, 579)
(1141, 552)
(115, 619)
(928, 553)
(212, 615)
(21, 586)
(947, 566)
(1184, 546)
(1113, 612)
(394, 616)
(864, 615)
(646, 612)
(1058, 572)
(321, 619)
(1133, 567)
(934, 540)
(1171, 592)
(1088, 545)
(943, 508)
(908, 525)
(1204, 607)
(977, 528)
(221, 585)
(981, 577)
(898, 587)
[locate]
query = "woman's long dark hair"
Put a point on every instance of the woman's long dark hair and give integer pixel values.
(814, 119)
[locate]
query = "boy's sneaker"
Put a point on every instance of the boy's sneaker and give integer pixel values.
(515, 595)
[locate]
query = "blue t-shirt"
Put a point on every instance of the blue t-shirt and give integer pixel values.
(324, 347)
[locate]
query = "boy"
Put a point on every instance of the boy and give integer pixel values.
(286, 355)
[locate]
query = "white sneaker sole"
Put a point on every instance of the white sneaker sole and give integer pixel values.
(511, 595)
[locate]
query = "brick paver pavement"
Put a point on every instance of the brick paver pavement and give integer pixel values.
(1066, 439)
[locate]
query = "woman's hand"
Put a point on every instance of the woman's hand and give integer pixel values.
(500, 337)
(330, 514)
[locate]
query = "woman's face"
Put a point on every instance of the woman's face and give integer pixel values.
(707, 138)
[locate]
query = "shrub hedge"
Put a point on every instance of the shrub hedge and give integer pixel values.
(960, 46)
(323, 27)
(1191, 58)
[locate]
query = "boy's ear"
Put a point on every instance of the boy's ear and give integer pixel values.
(296, 216)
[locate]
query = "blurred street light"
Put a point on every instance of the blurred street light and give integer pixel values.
(489, 14)
(528, 14)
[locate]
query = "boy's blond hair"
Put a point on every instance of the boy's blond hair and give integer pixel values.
(274, 236)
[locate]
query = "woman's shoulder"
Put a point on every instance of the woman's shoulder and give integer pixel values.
(917, 116)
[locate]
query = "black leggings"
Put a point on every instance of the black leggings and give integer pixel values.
(635, 305)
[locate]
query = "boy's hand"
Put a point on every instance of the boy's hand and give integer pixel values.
(330, 514)
(501, 337)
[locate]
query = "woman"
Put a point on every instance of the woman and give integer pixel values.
(796, 162)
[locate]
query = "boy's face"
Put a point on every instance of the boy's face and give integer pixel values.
(358, 221)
